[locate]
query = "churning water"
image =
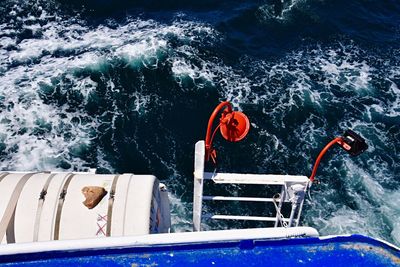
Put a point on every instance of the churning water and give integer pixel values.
(127, 86)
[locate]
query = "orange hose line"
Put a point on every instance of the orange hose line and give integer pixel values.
(337, 140)
(209, 139)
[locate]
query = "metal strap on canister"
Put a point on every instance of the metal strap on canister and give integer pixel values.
(7, 222)
(61, 200)
(110, 205)
(3, 175)
(42, 198)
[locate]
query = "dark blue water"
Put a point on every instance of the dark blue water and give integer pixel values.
(127, 86)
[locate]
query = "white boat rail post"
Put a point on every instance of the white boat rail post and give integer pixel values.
(279, 208)
(199, 157)
(308, 185)
(297, 193)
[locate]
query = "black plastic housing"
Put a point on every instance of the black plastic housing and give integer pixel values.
(357, 143)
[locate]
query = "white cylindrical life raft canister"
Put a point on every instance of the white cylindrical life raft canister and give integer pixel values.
(57, 206)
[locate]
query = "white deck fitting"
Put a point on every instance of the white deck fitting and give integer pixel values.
(292, 190)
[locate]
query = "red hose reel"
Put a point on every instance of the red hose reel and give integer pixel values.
(233, 125)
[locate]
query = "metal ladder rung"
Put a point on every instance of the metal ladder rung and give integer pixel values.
(260, 179)
(255, 199)
(243, 218)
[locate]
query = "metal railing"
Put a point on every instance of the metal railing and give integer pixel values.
(292, 190)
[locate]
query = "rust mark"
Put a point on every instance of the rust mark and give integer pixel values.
(374, 249)
(145, 256)
(154, 264)
(314, 249)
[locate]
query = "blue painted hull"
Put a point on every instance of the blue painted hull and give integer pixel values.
(355, 250)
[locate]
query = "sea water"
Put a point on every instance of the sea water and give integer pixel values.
(128, 86)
